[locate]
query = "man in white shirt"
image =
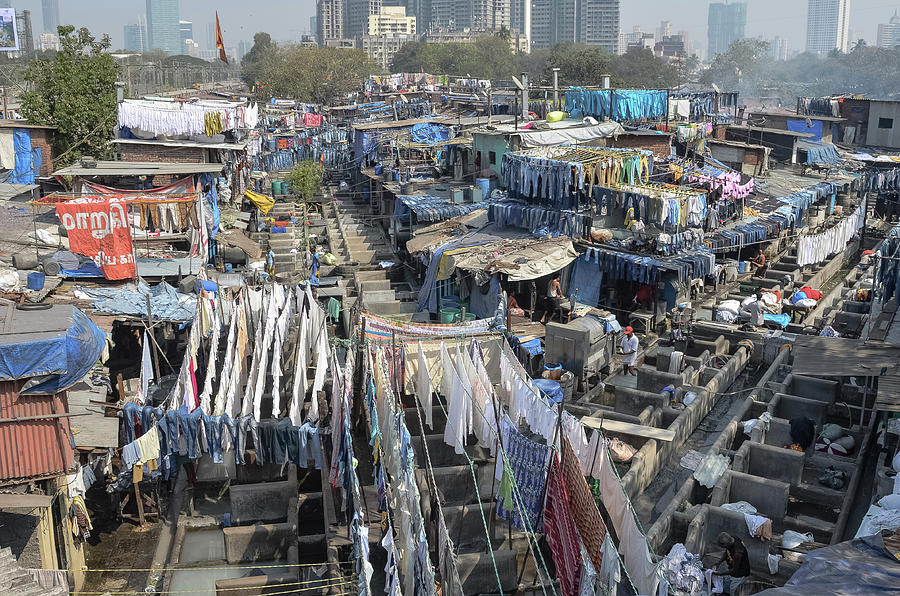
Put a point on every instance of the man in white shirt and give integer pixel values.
(629, 349)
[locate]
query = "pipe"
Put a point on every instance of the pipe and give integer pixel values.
(556, 88)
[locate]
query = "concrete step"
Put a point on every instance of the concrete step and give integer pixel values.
(370, 296)
(390, 308)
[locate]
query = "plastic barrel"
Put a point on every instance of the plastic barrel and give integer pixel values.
(449, 315)
(35, 281)
(379, 169)
(552, 366)
(485, 184)
(276, 187)
(742, 266)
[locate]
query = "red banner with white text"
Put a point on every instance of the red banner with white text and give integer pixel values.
(98, 228)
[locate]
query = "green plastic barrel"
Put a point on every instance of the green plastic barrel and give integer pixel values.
(449, 315)
(276, 187)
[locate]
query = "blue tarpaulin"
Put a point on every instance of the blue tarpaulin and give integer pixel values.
(814, 127)
(584, 287)
(550, 388)
(166, 302)
(54, 348)
(24, 172)
(432, 134)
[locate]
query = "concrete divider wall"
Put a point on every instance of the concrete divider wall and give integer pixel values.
(770, 497)
(263, 502)
(653, 457)
(767, 461)
(262, 542)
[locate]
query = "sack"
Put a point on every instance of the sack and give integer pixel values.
(621, 451)
(9, 280)
(732, 306)
(831, 431)
(792, 539)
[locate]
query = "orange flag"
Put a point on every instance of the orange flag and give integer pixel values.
(220, 42)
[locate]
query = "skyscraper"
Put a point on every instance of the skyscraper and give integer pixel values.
(6, 4)
(356, 16)
(330, 20)
(50, 10)
(187, 30)
(592, 22)
(889, 33)
(136, 36)
(163, 29)
(726, 24)
(828, 26)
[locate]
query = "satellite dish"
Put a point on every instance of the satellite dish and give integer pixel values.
(518, 84)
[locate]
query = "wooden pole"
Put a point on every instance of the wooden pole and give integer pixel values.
(150, 330)
(140, 504)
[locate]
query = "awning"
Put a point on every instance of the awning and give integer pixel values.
(53, 348)
(838, 357)
(520, 260)
(546, 138)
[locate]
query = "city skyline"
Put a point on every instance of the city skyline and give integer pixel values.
(767, 18)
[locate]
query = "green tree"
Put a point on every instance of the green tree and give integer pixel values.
(306, 179)
(252, 62)
(75, 91)
(742, 67)
(315, 75)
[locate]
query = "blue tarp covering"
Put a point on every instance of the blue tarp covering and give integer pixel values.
(66, 355)
(782, 320)
(800, 126)
(24, 173)
(165, 302)
(549, 388)
(433, 134)
(857, 567)
(820, 152)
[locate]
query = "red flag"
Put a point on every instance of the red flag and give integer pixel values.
(220, 42)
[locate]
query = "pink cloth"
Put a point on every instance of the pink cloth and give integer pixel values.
(559, 529)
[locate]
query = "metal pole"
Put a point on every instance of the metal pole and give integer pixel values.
(556, 88)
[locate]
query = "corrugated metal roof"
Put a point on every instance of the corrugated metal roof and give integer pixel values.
(34, 447)
(839, 357)
(139, 168)
(888, 398)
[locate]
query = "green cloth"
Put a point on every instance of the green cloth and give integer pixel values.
(506, 491)
(334, 308)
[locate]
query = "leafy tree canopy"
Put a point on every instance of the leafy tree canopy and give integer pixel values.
(252, 62)
(306, 179)
(75, 91)
(315, 75)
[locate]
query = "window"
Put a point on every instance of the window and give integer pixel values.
(492, 158)
(885, 123)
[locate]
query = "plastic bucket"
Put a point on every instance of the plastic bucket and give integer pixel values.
(469, 316)
(449, 315)
(228, 267)
(485, 184)
(35, 281)
(742, 266)
(552, 366)
(379, 169)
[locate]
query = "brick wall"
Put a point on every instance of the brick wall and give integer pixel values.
(658, 144)
(160, 154)
(40, 138)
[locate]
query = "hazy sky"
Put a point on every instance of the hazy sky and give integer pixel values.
(288, 19)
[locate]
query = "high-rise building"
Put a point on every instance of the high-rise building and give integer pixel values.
(490, 15)
(6, 4)
(50, 11)
(48, 42)
(136, 36)
(592, 22)
(25, 32)
(163, 29)
(778, 48)
(330, 20)
(520, 18)
(313, 24)
(726, 24)
(187, 30)
(356, 16)
(828, 26)
(889, 33)
(391, 20)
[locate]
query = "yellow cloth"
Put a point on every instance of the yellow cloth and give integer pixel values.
(262, 202)
(149, 444)
(137, 473)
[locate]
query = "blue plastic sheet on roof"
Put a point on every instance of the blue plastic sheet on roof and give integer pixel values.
(56, 361)
(166, 303)
(432, 134)
(814, 127)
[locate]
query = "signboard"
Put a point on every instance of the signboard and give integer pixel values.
(99, 228)
(9, 38)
